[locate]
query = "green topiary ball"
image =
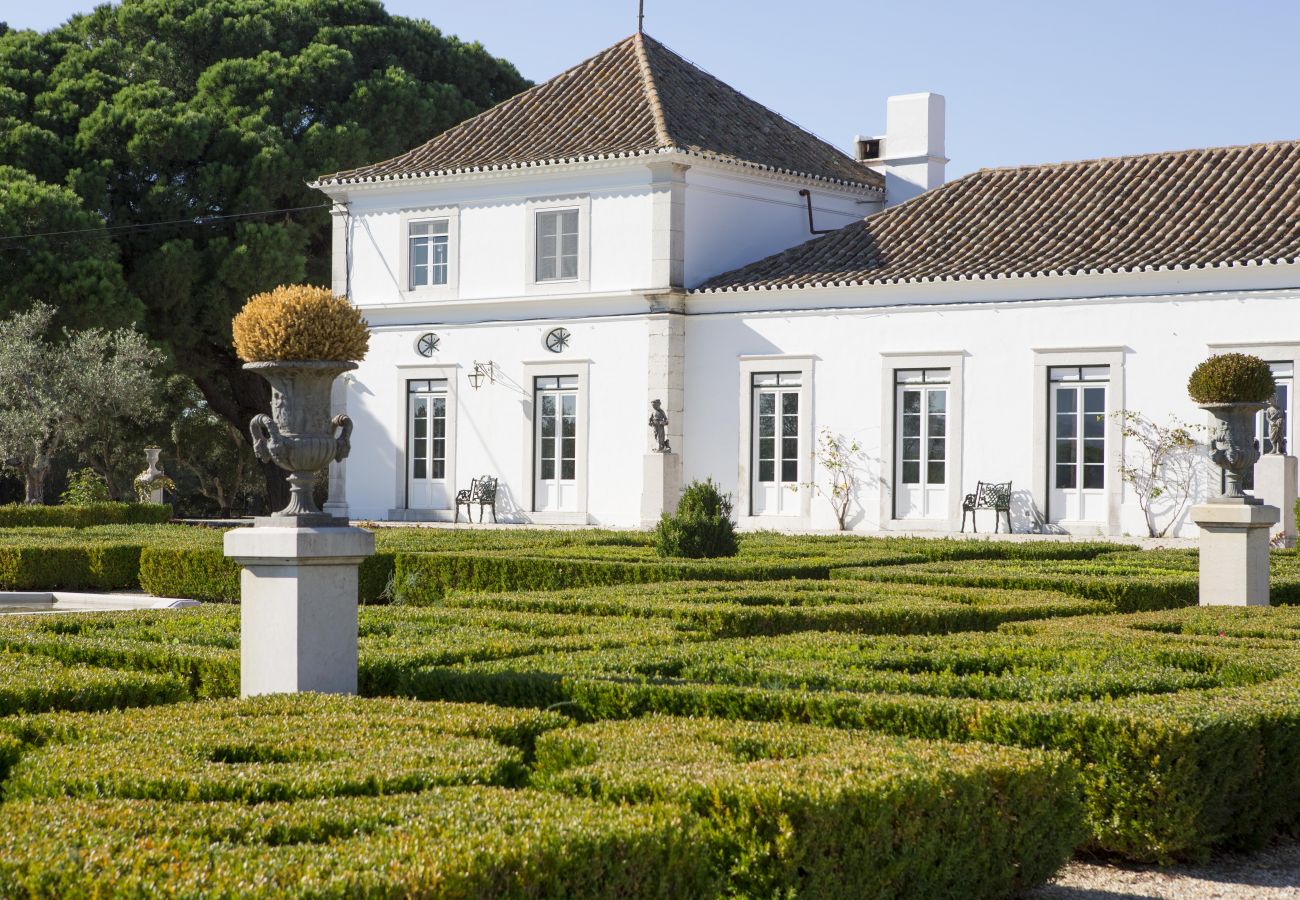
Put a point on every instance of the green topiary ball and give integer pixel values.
(1231, 378)
(701, 528)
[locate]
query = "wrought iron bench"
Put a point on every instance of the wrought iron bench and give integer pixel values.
(988, 495)
(483, 491)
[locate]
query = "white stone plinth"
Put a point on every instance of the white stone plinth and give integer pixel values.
(1234, 552)
(298, 607)
(661, 486)
(1275, 484)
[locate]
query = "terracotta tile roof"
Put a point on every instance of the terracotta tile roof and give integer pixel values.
(1193, 208)
(636, 98)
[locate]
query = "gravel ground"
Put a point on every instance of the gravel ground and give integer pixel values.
(1270, 874)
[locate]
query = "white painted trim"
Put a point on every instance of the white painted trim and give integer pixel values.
(535, 205)
(748, 367)
(1040, 488)
(429, 293)
(955, 362)
(417, 372)
(560, 366)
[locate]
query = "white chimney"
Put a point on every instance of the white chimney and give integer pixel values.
(910, 155)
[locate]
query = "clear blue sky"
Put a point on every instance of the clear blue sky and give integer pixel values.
(1026, 80)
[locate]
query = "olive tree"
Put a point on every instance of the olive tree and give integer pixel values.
(89, 391)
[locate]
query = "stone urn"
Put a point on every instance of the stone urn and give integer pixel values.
(299, 436)
(149, 483)
(1232, 446)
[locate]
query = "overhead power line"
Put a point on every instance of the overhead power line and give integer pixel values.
(143, 226)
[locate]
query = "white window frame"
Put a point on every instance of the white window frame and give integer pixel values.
(536, 205)
(401, 412)
(550, 368)
(448, 291)
(955, 362)
(1086, 357)
(750, 366)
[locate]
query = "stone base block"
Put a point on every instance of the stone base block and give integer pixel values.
(661, 486)
(298, 607)
(1275, 484)
(1234, 552)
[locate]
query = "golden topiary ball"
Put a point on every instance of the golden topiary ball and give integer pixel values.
(298, 321)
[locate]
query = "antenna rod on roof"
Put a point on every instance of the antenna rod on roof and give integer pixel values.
(640, 15)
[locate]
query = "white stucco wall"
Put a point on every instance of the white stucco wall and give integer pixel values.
(1159, 339)
(732, 220)
(493, 425)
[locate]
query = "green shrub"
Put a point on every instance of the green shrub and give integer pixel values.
(1183, 746)
(20, 515)
(277, 748)
(817, 812)
(701, 528)
(85, 486)
(426, 577)
(94, 567)
(37, 684)
(1231, 378)
(744, 608)
(466, 842)
(191, 573)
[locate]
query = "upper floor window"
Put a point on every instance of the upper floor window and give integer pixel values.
(429, 253)
(557, 245)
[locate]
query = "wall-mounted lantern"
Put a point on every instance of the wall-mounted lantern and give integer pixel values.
(482, 371)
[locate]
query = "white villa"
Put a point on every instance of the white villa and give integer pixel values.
(634, 229)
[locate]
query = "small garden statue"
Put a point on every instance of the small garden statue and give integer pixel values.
(659, 422)
(1275, 418)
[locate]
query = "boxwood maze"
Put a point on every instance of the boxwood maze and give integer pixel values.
(285, 794)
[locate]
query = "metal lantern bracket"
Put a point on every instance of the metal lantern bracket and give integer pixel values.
(482, 370)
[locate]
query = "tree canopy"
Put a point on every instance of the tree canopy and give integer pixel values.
(183, 111)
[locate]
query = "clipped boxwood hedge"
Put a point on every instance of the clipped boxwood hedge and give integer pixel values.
(743, 608)
(22, 515)
(278, 748)
(466, 842)
(37, 684)
(819, 812)
(1184, 746)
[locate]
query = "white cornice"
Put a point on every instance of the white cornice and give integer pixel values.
(341, 189)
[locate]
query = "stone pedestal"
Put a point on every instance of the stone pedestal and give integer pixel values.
(1275, 484)
(298, 606)
(661, 486)
(1234, 552)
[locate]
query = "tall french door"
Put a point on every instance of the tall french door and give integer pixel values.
(1078, 443)
(426, 445)
(775, 454)
(557, 445)
(921, 443)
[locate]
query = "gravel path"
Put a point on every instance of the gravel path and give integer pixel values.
(1270, 874)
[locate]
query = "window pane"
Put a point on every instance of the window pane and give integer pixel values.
(546, 225)
(790, 403)
(568, 470)
(789, 426)
(908, 376)
(439, 468)
(548, 449)
(766, 404)
(1094, 425)
(938, 401)
(790, 470)
(938, 425)
(1095, 373)
(548, 469)
(762, 379)
(569, 221)
(767, 426)
(912, 448)
(419, 228)
(569, 448)
(1065, 426)
(911, 472)
(911, 426)
(1065, 476)
(438, 226)
(1065, 451)
(767, 448)
(1094, 477)
(789, 379)
(936, 471)
(548, 426)
(911, 402)
(1094, 452)
(935, 449)
(937, 376)
(420, 468)
(1094, 400)
(766, 470)
(569, 404)
(567, 381)
(789, 448)
(1067, 400)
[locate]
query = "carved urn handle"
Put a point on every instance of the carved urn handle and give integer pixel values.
(266, 437)
(342, 443)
